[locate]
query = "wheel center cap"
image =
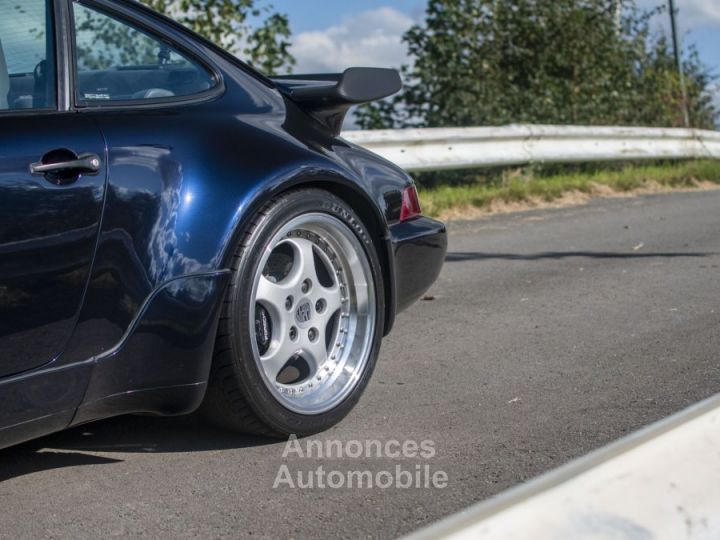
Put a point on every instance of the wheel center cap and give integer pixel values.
(303, 313)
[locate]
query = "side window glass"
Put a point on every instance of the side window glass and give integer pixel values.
(118, 62)
(27, 55)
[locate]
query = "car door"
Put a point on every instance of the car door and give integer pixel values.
(52, 183)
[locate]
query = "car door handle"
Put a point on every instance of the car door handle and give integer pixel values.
(85, 163)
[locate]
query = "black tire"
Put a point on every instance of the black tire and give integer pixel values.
(238, 397)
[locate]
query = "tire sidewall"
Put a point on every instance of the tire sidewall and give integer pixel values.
(250, 379)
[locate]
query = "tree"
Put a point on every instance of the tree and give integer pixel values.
(226, 22)
(485, 62)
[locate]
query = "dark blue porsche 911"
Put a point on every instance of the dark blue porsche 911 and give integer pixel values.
(179, 232)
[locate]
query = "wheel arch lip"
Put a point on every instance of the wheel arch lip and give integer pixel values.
(344, 185)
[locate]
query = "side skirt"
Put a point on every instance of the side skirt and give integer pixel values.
(160, 367)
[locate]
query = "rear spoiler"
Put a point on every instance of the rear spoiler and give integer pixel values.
(329, 97)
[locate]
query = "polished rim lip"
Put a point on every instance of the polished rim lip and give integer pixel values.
(327, 226)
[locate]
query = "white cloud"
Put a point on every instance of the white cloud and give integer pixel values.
(367, 39)
(692, 13)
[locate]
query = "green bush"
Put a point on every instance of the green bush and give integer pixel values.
(489, 62)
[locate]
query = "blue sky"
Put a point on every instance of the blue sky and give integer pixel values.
(331, 35)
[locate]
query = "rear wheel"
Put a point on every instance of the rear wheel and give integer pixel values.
(303, 319)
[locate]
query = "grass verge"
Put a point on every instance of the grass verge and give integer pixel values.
(526, 188)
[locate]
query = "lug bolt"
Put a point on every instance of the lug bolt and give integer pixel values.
(312, 334)
(293, 333)
(306, 285)
(320, 305)
(289, 303)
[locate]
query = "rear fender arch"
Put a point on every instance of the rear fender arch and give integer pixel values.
(347, 190)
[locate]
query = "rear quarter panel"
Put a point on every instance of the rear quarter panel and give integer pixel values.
(185, 181)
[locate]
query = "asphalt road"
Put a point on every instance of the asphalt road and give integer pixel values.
(550, 334)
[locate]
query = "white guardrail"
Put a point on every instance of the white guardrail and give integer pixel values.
(662, 482)
(434, 149)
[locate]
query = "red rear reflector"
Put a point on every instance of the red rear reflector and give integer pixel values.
(410, 204)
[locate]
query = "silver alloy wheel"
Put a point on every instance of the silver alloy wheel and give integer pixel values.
(313, 313)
